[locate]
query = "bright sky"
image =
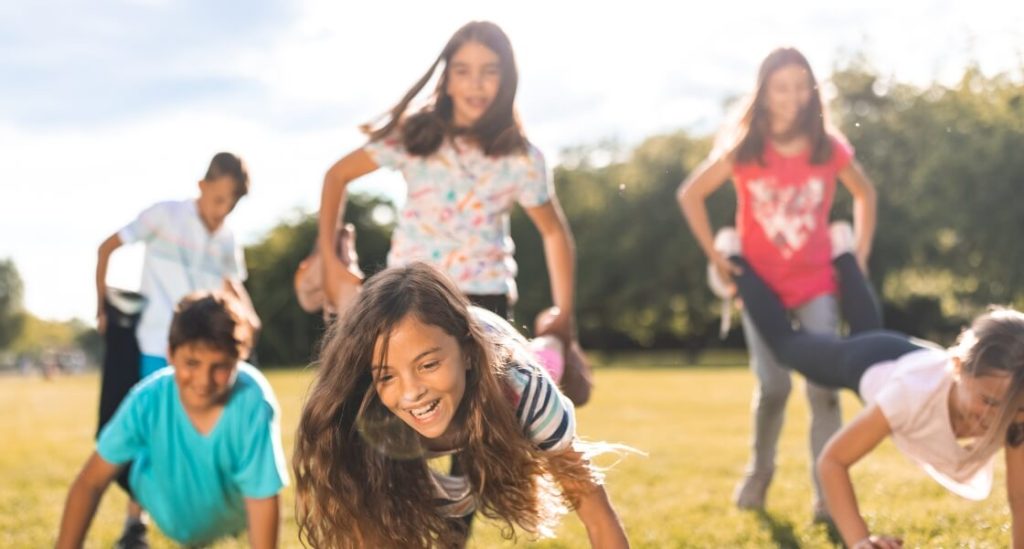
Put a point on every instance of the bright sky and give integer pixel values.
(111, 105)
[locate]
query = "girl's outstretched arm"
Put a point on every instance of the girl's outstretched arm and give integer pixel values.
(846, 448)
(1015, 492)
(560, 253)
(692, 195)
(865, 209)
(597, 514)
(332, 208)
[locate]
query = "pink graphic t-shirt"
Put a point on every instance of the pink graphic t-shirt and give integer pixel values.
(782, 219)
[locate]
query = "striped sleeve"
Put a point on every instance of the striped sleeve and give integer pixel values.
(546, 415)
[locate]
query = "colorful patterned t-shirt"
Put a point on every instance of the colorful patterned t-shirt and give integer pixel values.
(456, 213)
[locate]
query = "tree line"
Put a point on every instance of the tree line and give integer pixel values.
(947, 161)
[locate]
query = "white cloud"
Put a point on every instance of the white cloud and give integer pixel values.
(108, 109)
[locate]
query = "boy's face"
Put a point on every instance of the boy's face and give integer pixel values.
(204, 375)
(216, 200)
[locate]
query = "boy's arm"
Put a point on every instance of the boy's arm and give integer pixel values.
(83, 498)
(236, 288)
(865, 209)
(560, 253)
(108, 246)
(846, 448)
(262, 515)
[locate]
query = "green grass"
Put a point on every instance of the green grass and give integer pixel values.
(693, 423)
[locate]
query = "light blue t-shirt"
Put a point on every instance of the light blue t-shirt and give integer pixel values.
(193, 485)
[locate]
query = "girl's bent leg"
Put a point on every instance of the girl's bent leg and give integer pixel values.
(860, 306)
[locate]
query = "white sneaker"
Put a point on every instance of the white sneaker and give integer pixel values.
(841, 234)
(727, 243)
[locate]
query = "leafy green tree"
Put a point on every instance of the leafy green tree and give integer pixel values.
(290, 336)
(12, 317)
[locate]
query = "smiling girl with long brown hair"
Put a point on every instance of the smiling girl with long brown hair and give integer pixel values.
(414, 372)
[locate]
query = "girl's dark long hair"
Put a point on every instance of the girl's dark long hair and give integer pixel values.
(360, 475)
(498, 131)
(754, 126)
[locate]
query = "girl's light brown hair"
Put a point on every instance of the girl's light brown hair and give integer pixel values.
(498, 131)
(361, 479)
(754, 126)
(994, 345)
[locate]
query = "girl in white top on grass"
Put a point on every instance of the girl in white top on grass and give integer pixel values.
(948, 410)
(466, 161)
(413, 371)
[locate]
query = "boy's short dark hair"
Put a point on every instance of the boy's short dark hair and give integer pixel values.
(211, 319)
(227, 164)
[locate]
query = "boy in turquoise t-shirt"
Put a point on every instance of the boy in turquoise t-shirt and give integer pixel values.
(201, 438)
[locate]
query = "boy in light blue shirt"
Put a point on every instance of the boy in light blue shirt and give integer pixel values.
(201, 438)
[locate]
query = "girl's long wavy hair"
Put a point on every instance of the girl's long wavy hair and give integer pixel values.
(361, 478)
(498, 131)
(745, 139)
(994, 345)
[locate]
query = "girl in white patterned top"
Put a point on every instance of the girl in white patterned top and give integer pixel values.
(413, 372)
(466, 161)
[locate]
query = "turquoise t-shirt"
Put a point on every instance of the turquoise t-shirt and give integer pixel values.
(193, 485)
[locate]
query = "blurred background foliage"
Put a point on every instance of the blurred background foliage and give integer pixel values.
(948, 162)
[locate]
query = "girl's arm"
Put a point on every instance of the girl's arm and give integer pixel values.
(598, 516)
(846, 448)
(1015, 492)
(83, 498)
(332, 208)
(865, 209)
(560, 253)
(572, 471)
(692, 196)
(262, 515)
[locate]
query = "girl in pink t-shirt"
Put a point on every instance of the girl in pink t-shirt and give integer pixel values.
(783, 159)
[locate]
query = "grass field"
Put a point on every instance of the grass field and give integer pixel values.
(693, 422)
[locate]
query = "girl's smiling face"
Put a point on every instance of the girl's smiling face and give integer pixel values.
(474, 78)
(421, 377)
(786, 94)
(977, 400)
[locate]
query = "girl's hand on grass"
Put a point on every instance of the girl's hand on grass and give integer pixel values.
(879, 542)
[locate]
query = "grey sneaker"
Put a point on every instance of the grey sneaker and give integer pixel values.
(750, 493)
(820, 514)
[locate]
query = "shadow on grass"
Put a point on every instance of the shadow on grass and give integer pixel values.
(783, 533)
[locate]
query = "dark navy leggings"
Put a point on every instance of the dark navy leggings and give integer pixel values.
(825, 359)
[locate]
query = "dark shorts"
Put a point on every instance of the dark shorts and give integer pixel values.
(495, 303)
